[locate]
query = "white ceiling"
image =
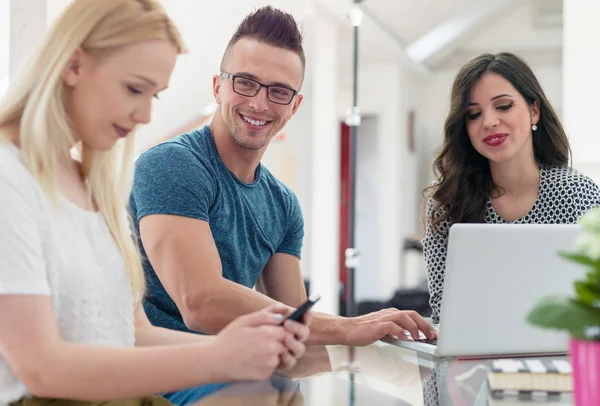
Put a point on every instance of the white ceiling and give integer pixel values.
(531, 28)
(4, 30)
(410, 19)
(390, 27)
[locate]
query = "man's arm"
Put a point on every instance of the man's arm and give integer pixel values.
(185, 258)
(282, 281)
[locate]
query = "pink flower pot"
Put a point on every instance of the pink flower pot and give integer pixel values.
(585, 360)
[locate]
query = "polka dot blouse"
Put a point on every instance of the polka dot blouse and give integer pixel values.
(564, 196)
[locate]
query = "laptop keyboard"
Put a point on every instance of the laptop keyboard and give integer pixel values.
(427, 341)
(422, 338)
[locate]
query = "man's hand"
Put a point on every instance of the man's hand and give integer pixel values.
(364, 330)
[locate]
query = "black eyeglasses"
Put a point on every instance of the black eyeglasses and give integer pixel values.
(250, 88)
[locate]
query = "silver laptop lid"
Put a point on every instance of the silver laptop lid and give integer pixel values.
(494, 276)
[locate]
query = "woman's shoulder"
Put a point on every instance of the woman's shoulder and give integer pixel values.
(11, 164)
(566, 194)
(431, 203)
(568, 180)
(16, 182)
(435, 213)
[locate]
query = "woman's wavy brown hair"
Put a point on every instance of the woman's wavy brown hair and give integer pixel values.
(464, 182)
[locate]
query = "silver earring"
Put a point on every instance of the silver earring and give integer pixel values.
(534, 127)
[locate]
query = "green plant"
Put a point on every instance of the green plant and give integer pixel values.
(579, 315)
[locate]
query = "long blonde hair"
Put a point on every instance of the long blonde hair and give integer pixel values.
(35, 104)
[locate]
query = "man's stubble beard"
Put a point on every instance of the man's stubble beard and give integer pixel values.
(237, 137)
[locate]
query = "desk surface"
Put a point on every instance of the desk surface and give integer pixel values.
(380, 374)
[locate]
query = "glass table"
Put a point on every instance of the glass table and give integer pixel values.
(380, 374)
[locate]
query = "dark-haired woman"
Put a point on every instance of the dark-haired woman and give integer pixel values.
(504, 159)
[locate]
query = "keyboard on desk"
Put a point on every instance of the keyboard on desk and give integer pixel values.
(427, 341)
(422, 338)
(421, 345)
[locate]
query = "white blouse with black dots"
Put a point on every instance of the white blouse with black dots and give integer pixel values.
(564, 196)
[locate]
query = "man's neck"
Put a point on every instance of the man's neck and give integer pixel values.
(517, 176)
(240, 161)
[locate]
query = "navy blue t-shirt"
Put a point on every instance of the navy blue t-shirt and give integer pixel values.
(249, 222)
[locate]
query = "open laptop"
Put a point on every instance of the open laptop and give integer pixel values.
(495, 273)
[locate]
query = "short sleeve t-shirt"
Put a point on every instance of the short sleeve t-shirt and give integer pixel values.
(250, 222)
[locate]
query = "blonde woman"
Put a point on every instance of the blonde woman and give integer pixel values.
(71, 324)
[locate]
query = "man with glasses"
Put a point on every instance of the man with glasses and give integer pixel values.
(247, 87)
(214, 223)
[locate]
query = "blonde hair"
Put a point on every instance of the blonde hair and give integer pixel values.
(35, 104)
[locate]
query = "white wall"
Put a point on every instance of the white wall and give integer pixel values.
(54, 8)
(366, 221)
(516, 31)
(4, 44)
(290, 160)
(4, 36)
(551, 79)
(388, 92)
(581, 84)
(411, 187)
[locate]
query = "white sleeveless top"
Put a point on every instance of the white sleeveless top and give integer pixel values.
(63, 252)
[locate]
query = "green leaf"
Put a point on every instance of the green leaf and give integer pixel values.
(587, 293)
(580, 259)
(593, 278)
(564, 314)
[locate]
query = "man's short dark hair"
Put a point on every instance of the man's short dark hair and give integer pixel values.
(271, 26)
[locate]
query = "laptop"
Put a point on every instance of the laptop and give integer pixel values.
(495, 273)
